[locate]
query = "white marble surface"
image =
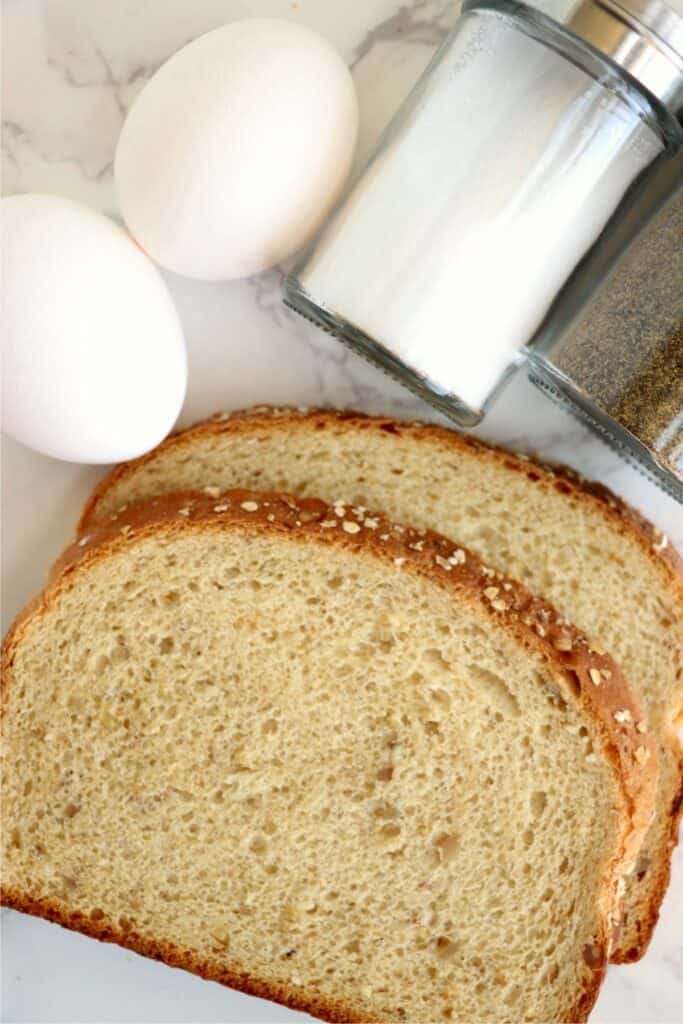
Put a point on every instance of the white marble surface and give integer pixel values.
(71, 68)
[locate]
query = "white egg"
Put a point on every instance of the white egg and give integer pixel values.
(93, 356)
(236, 149)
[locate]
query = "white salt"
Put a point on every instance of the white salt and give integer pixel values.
(455, 241)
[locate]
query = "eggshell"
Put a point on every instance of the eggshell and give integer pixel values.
(93, 356)
(236, 149)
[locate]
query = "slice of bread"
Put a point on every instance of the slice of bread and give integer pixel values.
(323, 759)
(572, 542)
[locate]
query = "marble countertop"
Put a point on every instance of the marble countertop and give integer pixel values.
(71, 69)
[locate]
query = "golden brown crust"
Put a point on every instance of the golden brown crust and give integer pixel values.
(242, 981)
(559, 478)
(620, 516)
(589, 676)
(645, 926)
(324, 1009)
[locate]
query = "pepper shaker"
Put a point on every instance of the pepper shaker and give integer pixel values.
(620, 367)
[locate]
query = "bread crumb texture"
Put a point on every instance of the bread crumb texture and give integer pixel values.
(276, 759)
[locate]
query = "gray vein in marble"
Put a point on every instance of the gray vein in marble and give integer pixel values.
(20, 140)
(421, 22)
(12, 134)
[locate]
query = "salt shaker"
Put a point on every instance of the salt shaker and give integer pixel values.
(500, 172)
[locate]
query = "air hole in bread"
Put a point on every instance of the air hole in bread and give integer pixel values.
(494, 689)
(390, 831)
(552, 973)
(446, 845)
(434, 659)
(432, 728)
(445, 947)
(258, 845)
(538, 802)
(385, 810)
(512, 996)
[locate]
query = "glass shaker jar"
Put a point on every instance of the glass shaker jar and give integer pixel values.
(489, 187)
(619, 365)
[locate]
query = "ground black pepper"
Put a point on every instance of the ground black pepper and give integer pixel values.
(627, 353)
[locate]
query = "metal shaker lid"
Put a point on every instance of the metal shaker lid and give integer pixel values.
(644, 37)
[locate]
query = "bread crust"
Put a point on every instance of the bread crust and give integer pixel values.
(166, 952)
(560, 478)
(621, 517)
(324, 1009)
(587, 676)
